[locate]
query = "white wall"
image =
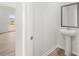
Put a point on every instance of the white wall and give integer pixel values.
(45, 27)
(4, 17)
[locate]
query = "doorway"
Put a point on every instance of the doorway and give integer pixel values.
(7, 30)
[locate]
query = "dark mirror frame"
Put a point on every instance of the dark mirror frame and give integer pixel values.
(62, 16)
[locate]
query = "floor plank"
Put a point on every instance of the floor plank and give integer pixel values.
(7, 44)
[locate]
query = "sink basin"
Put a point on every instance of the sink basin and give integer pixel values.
(68, 32)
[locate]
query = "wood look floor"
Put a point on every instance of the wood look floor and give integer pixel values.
(8, 44)
(57, 52)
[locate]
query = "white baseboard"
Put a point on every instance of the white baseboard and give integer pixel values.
(49, 51)
(75, 53)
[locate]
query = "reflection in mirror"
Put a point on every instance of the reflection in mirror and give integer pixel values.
(69, 15)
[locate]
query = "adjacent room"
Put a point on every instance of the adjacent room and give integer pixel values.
(7, 29)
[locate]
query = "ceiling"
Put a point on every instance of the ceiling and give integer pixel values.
(8, 4)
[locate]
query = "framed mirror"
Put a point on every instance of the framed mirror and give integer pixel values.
(70, 15)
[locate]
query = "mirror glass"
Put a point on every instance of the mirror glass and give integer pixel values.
(69, 15)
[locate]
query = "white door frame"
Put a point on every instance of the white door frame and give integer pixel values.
(19, 29)
(24, 44)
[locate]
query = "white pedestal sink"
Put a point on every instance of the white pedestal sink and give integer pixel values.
(68, 33)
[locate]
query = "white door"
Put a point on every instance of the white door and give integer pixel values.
(38, 26)
(29, 29)
(45, 25)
